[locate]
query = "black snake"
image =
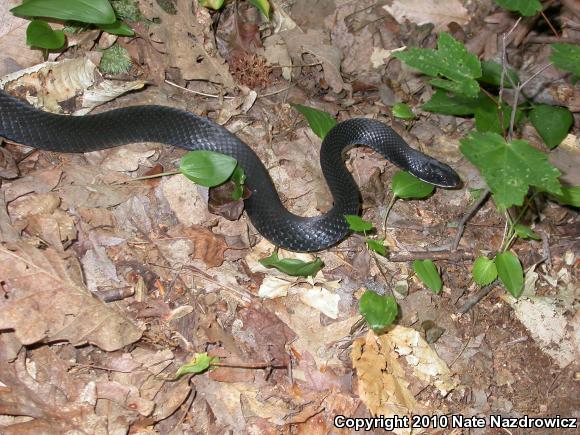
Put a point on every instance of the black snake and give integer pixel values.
(19, 122)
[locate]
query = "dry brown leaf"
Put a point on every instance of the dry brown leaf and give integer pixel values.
(8, 167)
(186, 45)
(56, 401)
(313, 42)
(47, 300)
(57, 229)
(438, 12)
(40, 182)
(207, 246)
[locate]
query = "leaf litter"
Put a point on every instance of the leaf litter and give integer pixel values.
(76, 229)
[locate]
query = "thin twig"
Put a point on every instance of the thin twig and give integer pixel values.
(203, 94)
(550, 24)
(429, 255)
(467, 216)
(472, 301)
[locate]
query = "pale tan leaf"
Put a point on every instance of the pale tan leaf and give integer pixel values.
(438, 12)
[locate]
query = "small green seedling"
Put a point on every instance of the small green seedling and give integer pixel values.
(428, 274)
(379, 311)
(293, 266)
(359, 225)
(199, 364)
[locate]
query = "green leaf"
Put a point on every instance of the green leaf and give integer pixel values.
(358, 224)
(207, 168)
(525, 232)
(484, 271)
(403, 111)
(552, 123)
(428, 274)
(293, 266)
(490, 117)
(239, 178)
(509, 169)
(566, 57)
(569, 196)
(377, 246)
(442, 102)
(199, 364)
(216, 5)
(320, 122)
(526, 8)
(87, 11)
(510, 273)
(407, 186)
(263, 6)
(491, 74)
(451, 60)
(117, 28)
(379, 311)
(40, 34)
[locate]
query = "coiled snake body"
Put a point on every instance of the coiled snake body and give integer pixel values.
(22, 123)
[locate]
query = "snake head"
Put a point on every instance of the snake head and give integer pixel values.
(438, 173)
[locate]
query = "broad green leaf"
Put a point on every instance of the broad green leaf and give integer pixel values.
(428, 274)
(490, 117)
(442, 102)
(526, 8)
(40, 34)
(491, 74)
(569, 196)
(199, 364)
(320, 122)
(566, 57)
(263, 6)
(403, 111)
(293, 266)
(525, 232)
(239, 178)
(451, 60)
(86, 11)
(117, 28)
(407, 186)
(484, 271)
(379, 311)
(509, 169)
(552, 123)
(207, 167)
(358, 224)
(377, 246)
(510, 273)
(216, 5)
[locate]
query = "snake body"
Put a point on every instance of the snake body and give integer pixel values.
(21, 123)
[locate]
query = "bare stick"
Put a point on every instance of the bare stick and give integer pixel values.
(472, 301)
(467, 216)
(429, 255)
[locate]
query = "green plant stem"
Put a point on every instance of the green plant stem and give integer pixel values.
(388, 211)
(148, 177)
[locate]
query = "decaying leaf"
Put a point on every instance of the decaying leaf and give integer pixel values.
(57, 85)
(36, 278)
